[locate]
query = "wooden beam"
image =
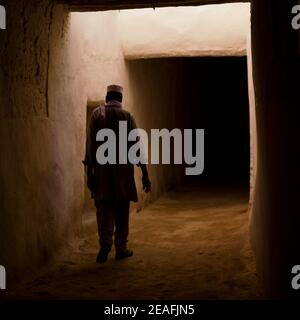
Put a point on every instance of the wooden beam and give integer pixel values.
(102, 5)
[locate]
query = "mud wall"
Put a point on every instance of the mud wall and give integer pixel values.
(275, 214)
(47, 76)
(35, 205)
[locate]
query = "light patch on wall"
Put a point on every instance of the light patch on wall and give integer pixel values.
(213, 30)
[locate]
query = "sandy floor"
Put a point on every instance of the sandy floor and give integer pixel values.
(190, 244)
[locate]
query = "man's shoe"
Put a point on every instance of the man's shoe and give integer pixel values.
(103, 255)
(124, 254)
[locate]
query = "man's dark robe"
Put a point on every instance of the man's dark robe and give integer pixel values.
(111, 181)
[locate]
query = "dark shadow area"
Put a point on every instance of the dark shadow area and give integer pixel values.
(209, 93)
(217, 101)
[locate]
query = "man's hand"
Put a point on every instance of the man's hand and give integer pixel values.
(146, 184)
(91, 183)
(145, 179)
(91, 179)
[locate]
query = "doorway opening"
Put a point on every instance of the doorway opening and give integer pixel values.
(209, 93)
(217, 100)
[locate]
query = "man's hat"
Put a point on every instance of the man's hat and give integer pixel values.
(115, 88)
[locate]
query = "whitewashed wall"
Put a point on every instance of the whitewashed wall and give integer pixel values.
(215, 30)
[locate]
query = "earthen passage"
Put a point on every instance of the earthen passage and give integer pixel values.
(47, 101)
(50, 74)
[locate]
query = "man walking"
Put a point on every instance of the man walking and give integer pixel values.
(112, 185)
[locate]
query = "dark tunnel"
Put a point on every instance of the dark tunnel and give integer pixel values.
(211, 93)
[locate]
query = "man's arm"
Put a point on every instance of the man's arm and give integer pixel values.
(89, 160)
(145, 177)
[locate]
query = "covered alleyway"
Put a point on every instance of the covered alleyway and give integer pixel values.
(48, 77)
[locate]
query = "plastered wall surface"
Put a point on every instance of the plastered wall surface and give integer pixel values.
(48, 74)
(215, 30)
(34, 204)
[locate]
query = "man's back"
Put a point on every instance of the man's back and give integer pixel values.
(113, 181)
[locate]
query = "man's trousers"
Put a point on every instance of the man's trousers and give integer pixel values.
(113, 219)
